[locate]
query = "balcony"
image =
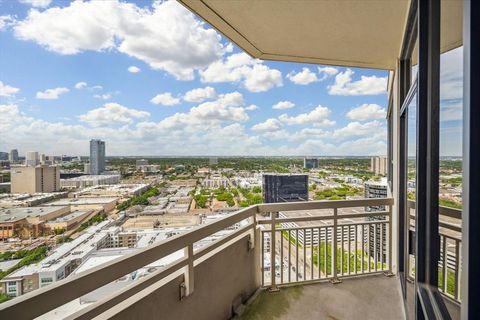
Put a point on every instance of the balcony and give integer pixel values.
(217, 280)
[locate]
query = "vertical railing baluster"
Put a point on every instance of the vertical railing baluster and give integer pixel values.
(325, 253)
(304, 254)
(369, 248)
(356, 239)
(281, 256)
(318, 254)
(289, 256)
(263, 258)
(363, 248)
(311, 254)
(381, 245)
(334, 247)
(457, 268)
(375, 251)
(390, 258)
(341, 251)
(273, 284)
(296, 255)
(444, 263)
(349, 249)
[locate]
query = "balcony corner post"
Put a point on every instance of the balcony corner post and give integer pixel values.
(389, 272)
(186, 288)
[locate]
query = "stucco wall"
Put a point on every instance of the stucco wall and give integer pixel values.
(220, 281)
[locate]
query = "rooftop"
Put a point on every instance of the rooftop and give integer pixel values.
(14, 214)
(82, 201)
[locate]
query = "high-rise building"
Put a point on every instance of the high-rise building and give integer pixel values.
(377, 190)
(13, 156)
(310, 163)
(379, 165)
(140, 163)
(42, 158)
(31, 159)
(285, 187)
(3, 155)
(97, 156)
(37, 179)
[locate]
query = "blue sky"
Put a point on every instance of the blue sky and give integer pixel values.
(152, 79)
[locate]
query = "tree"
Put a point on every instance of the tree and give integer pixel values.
(256, 189)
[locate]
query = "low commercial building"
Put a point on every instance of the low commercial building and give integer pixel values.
(215, 181)
(34, 179)
(100, 203)
(68, 221)
(90, 180)
(115, 190)
(13, 200)
(27, 222)
(167, 220)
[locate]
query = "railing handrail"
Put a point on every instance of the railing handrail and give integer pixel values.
(322, 218)
(443, 211)
(45, 299)
(323, 204)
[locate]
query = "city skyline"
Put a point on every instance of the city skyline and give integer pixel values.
(148, 100)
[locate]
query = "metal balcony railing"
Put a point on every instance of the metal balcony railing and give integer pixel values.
(449, 265)
(326, 246)
(356, 243)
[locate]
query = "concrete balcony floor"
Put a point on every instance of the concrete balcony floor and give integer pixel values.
(370, 297)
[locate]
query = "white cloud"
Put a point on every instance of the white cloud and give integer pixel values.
(282, 105)
(317, 117)
(80, 85)
(451, 75)
(212, 127)
(357, 129)
(326, 72)
(37, 3)
(451, 110)
(251, 107)
(268, 125)
(165, 99)
(134, 69)
(105, 96)
(240, 67)
(51, 94)
(111, 114)
(200, 94)
(227, 108)
(6, 21)
(367, 112)
(7, 91)
(148, 35)
(367, 85)
(304, 77)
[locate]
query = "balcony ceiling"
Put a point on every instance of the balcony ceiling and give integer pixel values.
(345, 33)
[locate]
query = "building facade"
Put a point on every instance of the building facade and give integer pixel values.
(310, 163)
(285, 188)
(13, 156)
(39, 179)
(31, 159)
(376, 190)
(379, 165)
(97, 156)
